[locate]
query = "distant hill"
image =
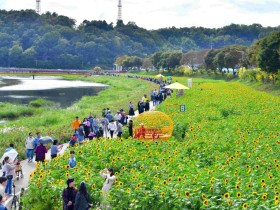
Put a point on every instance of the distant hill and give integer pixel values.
(55, 41)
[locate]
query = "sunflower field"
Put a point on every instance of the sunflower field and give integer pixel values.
(224, 154)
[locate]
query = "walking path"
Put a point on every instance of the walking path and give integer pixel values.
(27, 167)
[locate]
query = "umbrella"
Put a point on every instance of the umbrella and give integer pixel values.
(177, 85)
(45, 140)
(159, 75)
(12, 154)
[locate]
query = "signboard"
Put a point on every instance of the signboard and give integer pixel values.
(182, 108)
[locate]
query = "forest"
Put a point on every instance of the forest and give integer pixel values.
(50, 40)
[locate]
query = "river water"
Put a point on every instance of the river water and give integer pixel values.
(22, 90)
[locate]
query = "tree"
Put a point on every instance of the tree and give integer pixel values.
(15, 55)
(209, 60)
(268, 57)
(235, 57)
(194, 59)
(156, 58)
(219, 61)
(147, 63)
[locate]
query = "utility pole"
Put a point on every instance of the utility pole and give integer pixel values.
(38, 6)
(119, 11)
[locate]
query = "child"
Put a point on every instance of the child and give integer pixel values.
(18, 170)
(72, 160)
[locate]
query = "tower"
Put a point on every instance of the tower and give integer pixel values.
(119, 10)
(38, 6)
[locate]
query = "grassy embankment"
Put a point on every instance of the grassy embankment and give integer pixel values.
(57, 122)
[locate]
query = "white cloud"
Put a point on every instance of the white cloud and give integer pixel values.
(153, 14)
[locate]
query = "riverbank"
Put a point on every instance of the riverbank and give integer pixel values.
(57, 122)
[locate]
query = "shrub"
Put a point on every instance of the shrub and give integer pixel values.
(41, 102)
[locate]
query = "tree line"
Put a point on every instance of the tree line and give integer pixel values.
(50, 40)
(263, 54)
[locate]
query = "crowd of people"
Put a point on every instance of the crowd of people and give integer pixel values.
(109, 125)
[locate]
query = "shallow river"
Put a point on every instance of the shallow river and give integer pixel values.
(22, 90)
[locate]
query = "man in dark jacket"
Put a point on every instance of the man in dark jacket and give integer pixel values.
(69, 195)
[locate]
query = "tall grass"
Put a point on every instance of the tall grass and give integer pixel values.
(10, 111)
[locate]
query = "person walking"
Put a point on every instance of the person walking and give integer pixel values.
(124, 119)
(109, 116)
(131, 109)
(29, 144)
(90, 119)
(117, 116)
(76, 123)
(87, 127)
(112, 128)
(119, 129)
(40, 151)
(36, 140)
(69, 195)
(95, 124)
(54, 149)
(81, 133)
(82, 200)
(105, 123)
(10, 170)
(130, 128)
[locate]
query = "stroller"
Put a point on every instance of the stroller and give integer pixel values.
(18, 170)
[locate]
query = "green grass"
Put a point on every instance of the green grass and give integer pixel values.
(273, 89)
(10, 111)
(41, 102)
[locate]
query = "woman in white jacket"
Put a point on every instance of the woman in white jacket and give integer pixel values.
(108, 175)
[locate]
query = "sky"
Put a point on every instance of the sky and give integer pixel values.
(154, 14)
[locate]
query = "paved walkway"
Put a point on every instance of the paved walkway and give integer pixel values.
(27, 168)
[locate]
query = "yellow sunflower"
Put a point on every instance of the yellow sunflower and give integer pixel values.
(226, 195)
(245, 206)
(205, 202)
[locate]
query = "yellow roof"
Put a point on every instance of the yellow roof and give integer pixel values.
(159, 75)
(177, 85)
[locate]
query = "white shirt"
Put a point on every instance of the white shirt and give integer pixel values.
(29, 143)
(112, 126)
(108, 182)
(118, 116)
